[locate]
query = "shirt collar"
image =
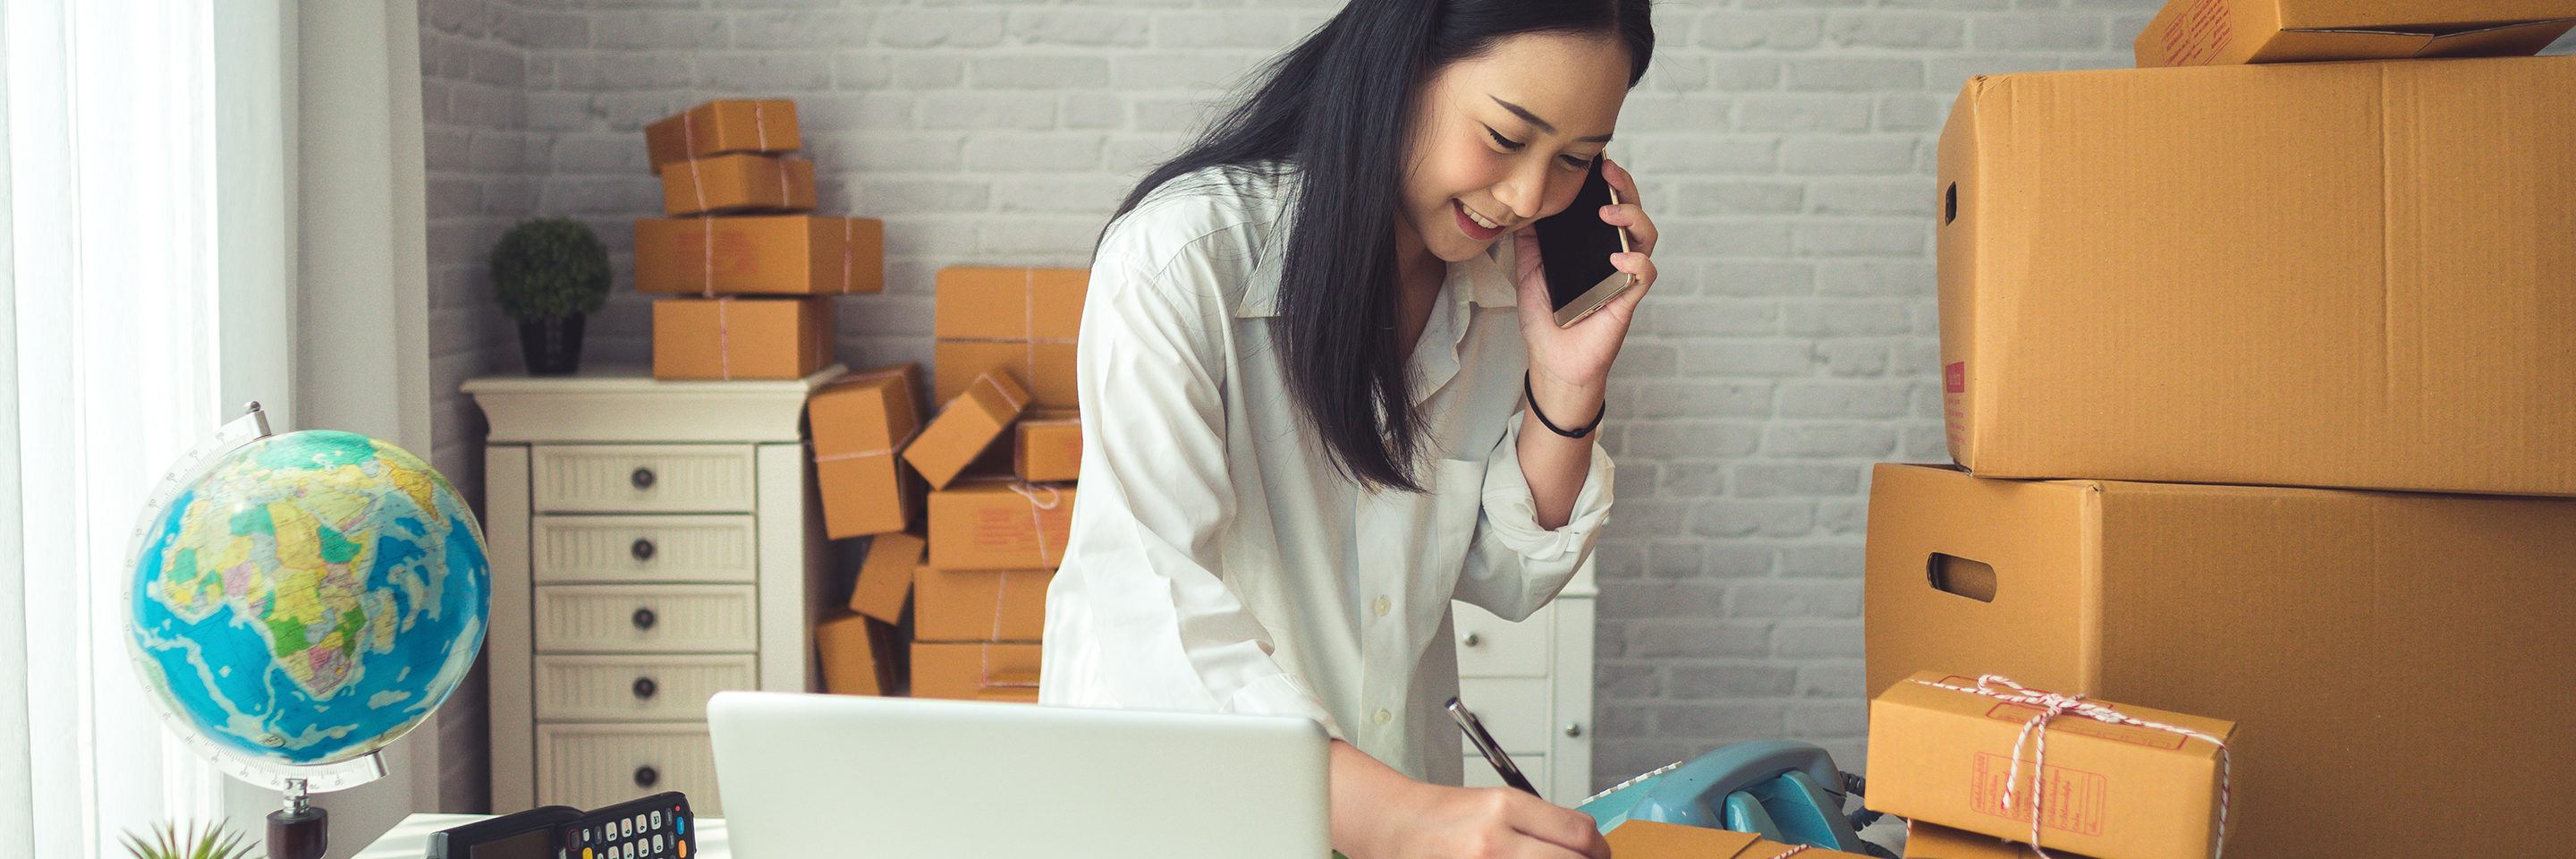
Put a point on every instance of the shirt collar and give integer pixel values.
(1488, 281)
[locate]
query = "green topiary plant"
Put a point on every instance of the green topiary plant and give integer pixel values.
(168, 842)
(549, 273)
(549, 268)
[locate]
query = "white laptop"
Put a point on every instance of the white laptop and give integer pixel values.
(845, 776)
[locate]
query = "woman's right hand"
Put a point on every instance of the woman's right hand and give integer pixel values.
(1379, 813)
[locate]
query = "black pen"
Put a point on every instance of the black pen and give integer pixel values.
(1492, 751)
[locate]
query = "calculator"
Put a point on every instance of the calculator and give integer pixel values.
(653, 827)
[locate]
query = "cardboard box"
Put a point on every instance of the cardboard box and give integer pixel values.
(760, 255)
(1934, 841)
(2336, 626)
(856, 654)
(1017, 304)
(1639, 839)
(741, 338)
(885, 578)
(716, 127)
(1049, 448)
(965, 427)
(739, 182)
(2230, 32)
(988, 524)
(1959, 751)
(979, 605)
(2338, 275)
(1046, 369)
(859, 423)
(975, 672)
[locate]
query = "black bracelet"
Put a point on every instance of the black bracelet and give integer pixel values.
(1577, 432)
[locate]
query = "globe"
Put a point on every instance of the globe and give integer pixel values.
(307, 598)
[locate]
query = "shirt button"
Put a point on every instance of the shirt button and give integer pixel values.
(1381, 606)
(1383, 717)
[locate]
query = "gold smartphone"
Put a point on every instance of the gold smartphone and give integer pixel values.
(1575, 246)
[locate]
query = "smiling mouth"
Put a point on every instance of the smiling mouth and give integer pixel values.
(1473, 224)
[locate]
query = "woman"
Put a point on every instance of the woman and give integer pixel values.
(1302, 367)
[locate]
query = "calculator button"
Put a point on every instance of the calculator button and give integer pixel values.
(657, 843)
(625, 829)
(657, 817)
(639, 820)
(684, 850)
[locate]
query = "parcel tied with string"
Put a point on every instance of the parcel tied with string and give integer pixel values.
(741, 338)
(2109, 780)
(1000, 524)
(860, 424)
(979, 605)
(1021, 320)
(760, 255)
(721, 126)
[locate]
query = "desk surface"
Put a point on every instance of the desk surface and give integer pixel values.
(410, 838)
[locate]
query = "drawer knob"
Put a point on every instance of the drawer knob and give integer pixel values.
(644, 618)
(642, 478)
(1472, 640)
(644, 688)
(1574, 729)
(647, 777)
(642, 550)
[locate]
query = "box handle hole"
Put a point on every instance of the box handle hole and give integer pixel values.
(1950, 205)
(1953, 574)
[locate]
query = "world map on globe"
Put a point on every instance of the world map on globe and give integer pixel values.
(309, 598)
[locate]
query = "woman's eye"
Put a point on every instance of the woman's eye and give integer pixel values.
(1498, 137)
(1577, 163)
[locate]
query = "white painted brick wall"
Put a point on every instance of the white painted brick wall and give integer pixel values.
(1785, 145)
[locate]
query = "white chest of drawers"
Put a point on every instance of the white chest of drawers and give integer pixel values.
(1530, 683)
(652, 543)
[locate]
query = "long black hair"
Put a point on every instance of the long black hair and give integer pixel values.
(1337, 109)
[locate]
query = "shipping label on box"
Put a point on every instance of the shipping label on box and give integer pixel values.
(1000, 525)
(1984, 754)
(2120, 299)
(2233, 32)
(979, 605)
(741, 338)
(965, 427)
(716, 127)
(760, 255)
(885, 578)
(739, 182)
(859, 424)
(975, 672)
(1049, 448)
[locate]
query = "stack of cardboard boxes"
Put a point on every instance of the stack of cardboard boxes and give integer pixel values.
(999, 460)
(2263, 382)
(741, 243)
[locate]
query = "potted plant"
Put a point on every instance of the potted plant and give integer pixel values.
(548, 274)
(169, 842)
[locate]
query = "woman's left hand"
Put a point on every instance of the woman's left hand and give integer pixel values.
(1572, 364)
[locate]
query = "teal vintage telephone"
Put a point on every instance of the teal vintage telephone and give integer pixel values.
(1785, 791)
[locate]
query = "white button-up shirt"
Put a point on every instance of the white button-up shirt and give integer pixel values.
(1219, 563)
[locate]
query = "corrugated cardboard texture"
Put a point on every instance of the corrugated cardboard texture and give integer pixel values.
(979, 605)
(2231, 32)
(2340, 274)
(766, 125)
(738, 182)
(965, 427)
(1933, 841)
(1049, 448)
(2111, 790)
(858, 422)
(741, 338)
(1046, 369)
(855, 654)
(885, 578)
(975, 303)
(760, 255)
(2383, 653)
(988, 524)
(973, 672)
(1639, 839)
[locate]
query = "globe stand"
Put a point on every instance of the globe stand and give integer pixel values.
(301, 830)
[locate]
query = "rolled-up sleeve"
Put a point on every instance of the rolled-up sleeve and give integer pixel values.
(1146, 618)
(1513, 565)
